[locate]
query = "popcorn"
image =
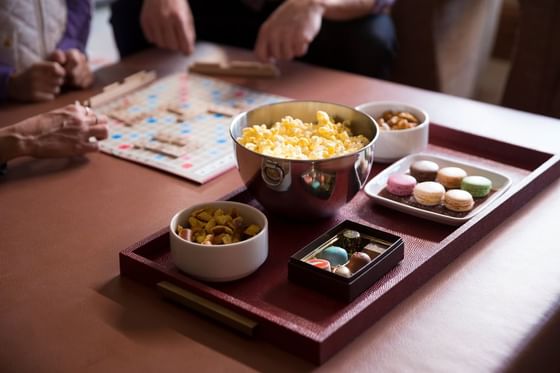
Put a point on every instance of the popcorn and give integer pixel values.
(291, 138)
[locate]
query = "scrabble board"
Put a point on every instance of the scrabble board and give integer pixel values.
(179, 124)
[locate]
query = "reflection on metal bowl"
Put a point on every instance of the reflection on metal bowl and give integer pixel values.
(304, 189)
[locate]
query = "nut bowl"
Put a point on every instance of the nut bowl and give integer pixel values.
(304, 189)
(395, 144)
(224, 262)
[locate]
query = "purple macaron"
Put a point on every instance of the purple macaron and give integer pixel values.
(401, 184)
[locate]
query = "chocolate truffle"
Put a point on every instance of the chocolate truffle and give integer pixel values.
(334, 254)
(320, 263)
(351, 240)
(342, 271)
(357, 261)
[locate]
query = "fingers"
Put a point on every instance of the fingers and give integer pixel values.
(86, 115)
(262, 45)
(185, 37)
(261, 50)
(88, 147)
(82, 78)
(95, 119)
(289, 30)
(150, 25)
(276, 46)
(169, 39)
(58, 56)
(44, 81)
(99, 131)
(280, 45)
(157, 36)
(74, 57)
(168, 24)
(78, 73)
(81, 117)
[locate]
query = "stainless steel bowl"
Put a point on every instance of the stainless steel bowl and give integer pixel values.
(304, 189)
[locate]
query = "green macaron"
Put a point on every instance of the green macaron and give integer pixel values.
(477, 186)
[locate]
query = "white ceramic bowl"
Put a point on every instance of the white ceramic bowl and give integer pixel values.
(220, 262)
(395, 144)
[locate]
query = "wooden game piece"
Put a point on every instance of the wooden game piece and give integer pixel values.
(161, 148)
(227, 111)
(129, 119)
(187, 113)
(236, 68)
(116, 90)
(170, 138)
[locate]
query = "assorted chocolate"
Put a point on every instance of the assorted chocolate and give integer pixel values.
(429, 186)
(346, 253)
(346, 260)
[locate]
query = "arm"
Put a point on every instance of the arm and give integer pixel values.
(77, 25)
(344, 10)
(40, 82)
(70, 52)
(291, 28)
(169, 24)
(58, 133)
(11, 145)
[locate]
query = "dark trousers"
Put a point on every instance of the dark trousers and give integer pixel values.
(363, 46)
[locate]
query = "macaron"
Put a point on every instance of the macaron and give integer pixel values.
(424, 170)
(477, 186)
(458, 200)
(428, 193)
(401, 184)
(451, 177)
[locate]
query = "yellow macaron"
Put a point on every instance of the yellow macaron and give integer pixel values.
(428, 193)
(458, 200)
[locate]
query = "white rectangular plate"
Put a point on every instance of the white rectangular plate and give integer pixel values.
(500, 183)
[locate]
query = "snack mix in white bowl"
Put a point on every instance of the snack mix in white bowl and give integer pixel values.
(219, 241)
(404, 129)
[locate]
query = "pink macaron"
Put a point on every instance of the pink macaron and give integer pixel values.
(401, 184)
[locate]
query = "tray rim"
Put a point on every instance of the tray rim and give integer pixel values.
(543, 168)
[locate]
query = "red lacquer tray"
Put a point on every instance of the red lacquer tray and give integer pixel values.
(315, 326)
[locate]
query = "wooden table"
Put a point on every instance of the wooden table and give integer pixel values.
(64, 307)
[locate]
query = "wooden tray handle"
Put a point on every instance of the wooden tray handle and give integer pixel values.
(208, 308)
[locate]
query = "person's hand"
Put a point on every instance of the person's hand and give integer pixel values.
(61, 133)
(288, 31)
(76, 67)
(169, 24)
(40, 82)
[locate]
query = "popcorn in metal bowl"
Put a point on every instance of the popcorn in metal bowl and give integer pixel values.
(304, 159)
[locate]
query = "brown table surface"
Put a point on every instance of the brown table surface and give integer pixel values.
(64, 308)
